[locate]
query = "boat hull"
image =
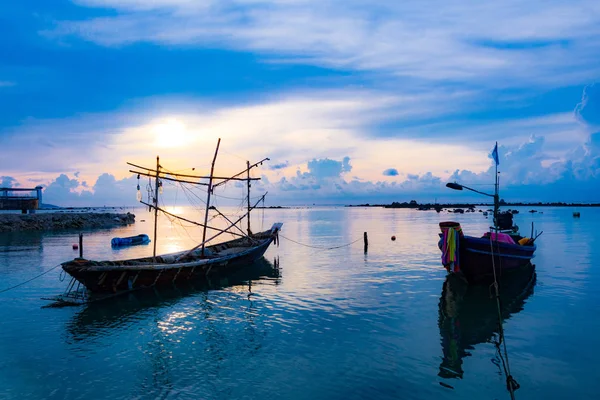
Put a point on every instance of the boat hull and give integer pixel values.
(478, 260)
(109, 277)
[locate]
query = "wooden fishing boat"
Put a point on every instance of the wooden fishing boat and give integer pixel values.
(167, 269)
(482, 259)
(112, 277)
(478, 259)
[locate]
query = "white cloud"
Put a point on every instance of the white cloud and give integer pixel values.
(496, 44)
(8, 182)
(307, 136)
(588, 110)
(327, 180)
(296, 128)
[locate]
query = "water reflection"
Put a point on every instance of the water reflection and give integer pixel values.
(19, 247)
(108, 315)
(468, 315)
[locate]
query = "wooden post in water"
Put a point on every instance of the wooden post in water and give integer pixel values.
(81, 245)
(366, 241)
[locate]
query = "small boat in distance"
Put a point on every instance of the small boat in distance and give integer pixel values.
(106, 278)
(497, 252)
(130, 240)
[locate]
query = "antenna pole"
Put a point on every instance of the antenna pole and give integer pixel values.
(156, 206)
(248, 169)
(210, 189)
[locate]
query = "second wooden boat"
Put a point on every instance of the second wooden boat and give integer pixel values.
(483, 259)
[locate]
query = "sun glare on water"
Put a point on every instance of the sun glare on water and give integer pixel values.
(170, 133)
(174, 210)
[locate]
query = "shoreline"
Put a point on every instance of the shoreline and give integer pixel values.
(51, 221)
(472, 205)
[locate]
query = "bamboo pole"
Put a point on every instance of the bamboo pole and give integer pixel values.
(248, 170)
(156, 207)
(210, 189)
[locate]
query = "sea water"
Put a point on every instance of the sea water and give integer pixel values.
(307, 321)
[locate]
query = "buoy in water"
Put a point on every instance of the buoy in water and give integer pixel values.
(75, 246)
(393, 238)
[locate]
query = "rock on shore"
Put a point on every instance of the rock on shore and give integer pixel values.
(58, 221)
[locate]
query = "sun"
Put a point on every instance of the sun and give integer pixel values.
(170, 133)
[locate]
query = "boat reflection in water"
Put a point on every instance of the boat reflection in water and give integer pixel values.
(468, 314)
(99, 317)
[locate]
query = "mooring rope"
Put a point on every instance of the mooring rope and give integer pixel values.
(29, 280)
(321, 247)
(511, 383)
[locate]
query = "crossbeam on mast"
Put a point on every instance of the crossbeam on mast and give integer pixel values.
(163, 174)
(168, 179)
(234, 177)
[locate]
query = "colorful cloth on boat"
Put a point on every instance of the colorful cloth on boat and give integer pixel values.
(500, 237)
(450, 248)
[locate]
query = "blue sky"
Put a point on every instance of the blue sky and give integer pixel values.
(353, 101)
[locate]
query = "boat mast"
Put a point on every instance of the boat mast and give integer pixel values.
(210, 189)
(156, 206)
(496, 196)
(248, 169)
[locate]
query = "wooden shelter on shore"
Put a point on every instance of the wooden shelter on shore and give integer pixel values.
(26, 200)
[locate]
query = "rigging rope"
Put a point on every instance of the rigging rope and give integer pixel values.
(29, 280)
(320, 247)
(511, 383)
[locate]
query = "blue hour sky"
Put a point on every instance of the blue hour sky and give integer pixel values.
(353, 101)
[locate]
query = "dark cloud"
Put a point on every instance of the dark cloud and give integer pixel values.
(110, 191)
(8, 182)
(390, 172)
(62, 191)
(107, 190)
(282, 165)
(323, 174)
(523, 176)
(427, 178)
(324, 182)
(326, 168)
(520, 164)
(588, 110)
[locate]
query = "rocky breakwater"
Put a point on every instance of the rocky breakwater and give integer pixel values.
(60, 221)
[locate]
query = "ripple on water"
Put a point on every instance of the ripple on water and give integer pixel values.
(306, 323)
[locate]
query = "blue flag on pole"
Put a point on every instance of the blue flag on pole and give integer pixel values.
(495, 154)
